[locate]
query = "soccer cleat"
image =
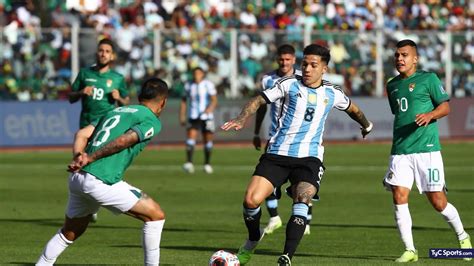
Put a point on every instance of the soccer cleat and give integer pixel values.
(188, 167)
(273, 224)
(244, 255)
(307, 230)
(408, 256)
(466, 244)
(208, 169)
(284, 260)
(93, 218)
(247, 249)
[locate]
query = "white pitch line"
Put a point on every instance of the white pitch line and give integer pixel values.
(173, 167)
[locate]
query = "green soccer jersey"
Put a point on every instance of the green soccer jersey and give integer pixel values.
(115, 123)
(101, 101)
(420, 93)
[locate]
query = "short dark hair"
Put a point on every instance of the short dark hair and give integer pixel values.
(286, 49)
(153, 88)
(316, 49)
(407, 42)
(108, 42)
(200, 69)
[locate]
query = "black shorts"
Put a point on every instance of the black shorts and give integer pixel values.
(279, 169)
(202, 125)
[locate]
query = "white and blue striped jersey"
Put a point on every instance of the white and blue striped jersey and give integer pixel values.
(300, 126)
(268, 81)
(198, 97)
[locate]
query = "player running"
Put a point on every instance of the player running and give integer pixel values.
(417, 99)
(295, 151)
(285, 59)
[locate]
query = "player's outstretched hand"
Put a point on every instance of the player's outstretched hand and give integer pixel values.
(423, 119)
(367, 130)
(232, 124)
(257, 143)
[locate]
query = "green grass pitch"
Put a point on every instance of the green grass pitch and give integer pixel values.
(352, 224)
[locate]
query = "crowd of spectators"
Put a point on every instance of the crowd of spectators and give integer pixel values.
(35, 44)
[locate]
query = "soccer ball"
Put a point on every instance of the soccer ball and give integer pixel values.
(223, 258)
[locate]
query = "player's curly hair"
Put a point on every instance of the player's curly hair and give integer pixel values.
(316, 49)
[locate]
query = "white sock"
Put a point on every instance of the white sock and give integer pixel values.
(404, 223)
(53, 249)
(151, 241)
(451, 216)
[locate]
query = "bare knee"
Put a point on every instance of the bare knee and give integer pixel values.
(400, 195)
(147, 210)
(157, 213)
(438, 200)
(251, 201)
(74, 227)
(439, 206)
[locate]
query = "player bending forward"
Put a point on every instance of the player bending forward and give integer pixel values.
(110, 146)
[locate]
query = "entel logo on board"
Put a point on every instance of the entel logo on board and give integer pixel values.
(37, 125)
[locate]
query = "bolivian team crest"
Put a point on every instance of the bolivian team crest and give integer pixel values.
(312, 98)
(109, 83)
(411, 87)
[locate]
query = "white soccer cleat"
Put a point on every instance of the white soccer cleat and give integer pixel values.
(93, 218)
(466, 244)
(208, 169)
(273, 224)
(408, 256)
(307, 230)
(188, 167)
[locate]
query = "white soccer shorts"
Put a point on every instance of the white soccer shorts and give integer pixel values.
(87, 194)
(426, 169)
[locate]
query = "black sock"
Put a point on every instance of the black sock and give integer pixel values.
(189, 152)
(252, 221)
(207, 155)
(310, 213)
(294, 233)
(272, 211)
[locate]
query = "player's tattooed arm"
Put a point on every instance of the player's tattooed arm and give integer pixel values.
(357, 115)
(124, 141)
(250, 108)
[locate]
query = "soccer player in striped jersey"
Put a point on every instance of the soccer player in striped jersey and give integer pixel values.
(417, 99)
(103, 151)
(295, 151)
(199, 100)
(285, 59)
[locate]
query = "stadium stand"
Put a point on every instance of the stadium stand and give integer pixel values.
(36, 40)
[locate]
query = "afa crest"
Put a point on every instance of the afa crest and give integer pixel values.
(312, 98)
(411, 87)
(109, 83)
(326, 101)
